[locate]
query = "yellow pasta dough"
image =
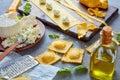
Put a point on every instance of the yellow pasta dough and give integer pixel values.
(83, 28)
(60, 46)
(74, 55)
(95, 3)
(21, 78)
(59, 20)
(47, 57)
(96, 12)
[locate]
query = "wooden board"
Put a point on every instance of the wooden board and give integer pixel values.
(111, 12)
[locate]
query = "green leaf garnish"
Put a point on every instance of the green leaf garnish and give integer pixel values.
(20, 16)
(64, 71)
(118, 38)
(81, 68)
(27, 11)
(27, 8)
(53, 35)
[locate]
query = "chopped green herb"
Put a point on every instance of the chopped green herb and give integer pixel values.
(53, 35)
(81, 68)
(118, 38)
(64, 71)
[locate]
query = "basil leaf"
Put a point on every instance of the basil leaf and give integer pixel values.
(27, 11)
(27, 8)
(64, 71)
(81, 68)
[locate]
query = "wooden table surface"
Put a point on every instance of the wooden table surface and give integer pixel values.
(42, 46)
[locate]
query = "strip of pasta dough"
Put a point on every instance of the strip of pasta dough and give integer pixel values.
(73, 7)
(63, 13)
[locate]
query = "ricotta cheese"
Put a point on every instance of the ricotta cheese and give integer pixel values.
(9, 25)
(42, 1)
(31, 32)
(56, 13)
(49, 6)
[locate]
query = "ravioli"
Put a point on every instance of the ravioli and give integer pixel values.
(60, 46)
(83, 28)
(74, 55)
(55, 6)
(47, 57)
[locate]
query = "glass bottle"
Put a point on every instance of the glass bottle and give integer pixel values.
(103, 58)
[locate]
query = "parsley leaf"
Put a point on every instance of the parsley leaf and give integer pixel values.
(118, 38)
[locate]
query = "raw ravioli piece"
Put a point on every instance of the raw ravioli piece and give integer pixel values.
(47, 57)
(58, 21)
(60, 46)
(74, 55)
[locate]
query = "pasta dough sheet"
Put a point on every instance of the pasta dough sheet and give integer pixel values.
(58, 20)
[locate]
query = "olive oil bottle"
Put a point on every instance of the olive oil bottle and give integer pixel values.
(103, 58)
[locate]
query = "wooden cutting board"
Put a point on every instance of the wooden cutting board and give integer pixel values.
(111, 12)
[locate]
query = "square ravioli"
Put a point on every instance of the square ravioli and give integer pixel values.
(74, 55)
(60, 46)
(47, 57)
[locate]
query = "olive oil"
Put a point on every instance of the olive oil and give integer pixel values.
(103, 60)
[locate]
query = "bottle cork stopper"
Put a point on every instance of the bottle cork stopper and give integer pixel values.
(107, 35)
